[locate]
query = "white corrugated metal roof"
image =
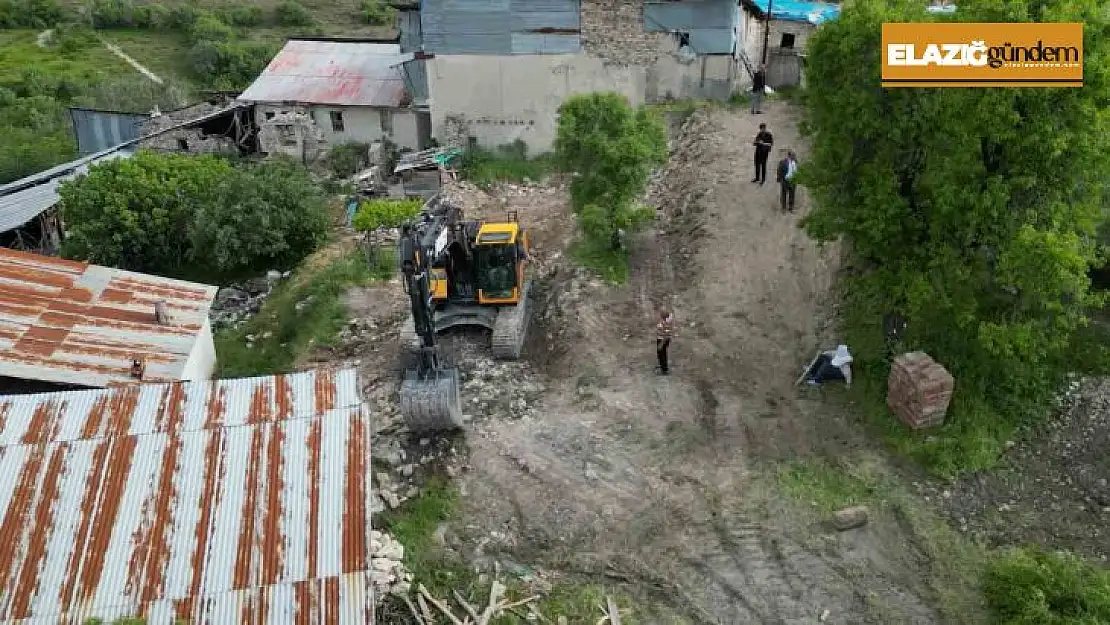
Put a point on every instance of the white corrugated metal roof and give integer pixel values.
(341, 73)
(19, 207)
(74, 323)
(232, 501)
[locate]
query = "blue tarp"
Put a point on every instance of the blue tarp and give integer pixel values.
(812, 12)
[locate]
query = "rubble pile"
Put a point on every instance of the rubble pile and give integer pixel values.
(236, 303)
(501, 389)
(387, 570)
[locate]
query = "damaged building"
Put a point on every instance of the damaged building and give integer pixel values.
(779, 38)
(320, 93)
(497, 73)
(29, 218)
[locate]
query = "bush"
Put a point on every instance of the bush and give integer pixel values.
(30, 13)
(242, 15)
(507, 163)
(112, 13)
(153, 16)
(208, 28)
(612, 148)
(377, 13)
(347, 159)
(192, 217)
(376, 214)
(230, 65)
(291, 13)
(1032, 587)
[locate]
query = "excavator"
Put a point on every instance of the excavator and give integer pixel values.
(457, 272)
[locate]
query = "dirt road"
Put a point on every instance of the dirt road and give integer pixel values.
(666, 482)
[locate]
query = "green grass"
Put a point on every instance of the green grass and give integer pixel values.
(609, 264)
(82, 63)
(414, 525)
(164, 53)
(486, 168)
(1032, 587)
(955, 566)
(304, 312)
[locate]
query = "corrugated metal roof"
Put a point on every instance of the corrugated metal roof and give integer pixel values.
(815, 13)
(501, 27)
(231, 501)
(19, 207)
(711, 24)
(74, 323)
(341, 73)
(100, 130)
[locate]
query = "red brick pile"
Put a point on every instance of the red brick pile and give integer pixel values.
(919, 390)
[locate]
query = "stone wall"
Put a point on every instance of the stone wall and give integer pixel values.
(613, 30)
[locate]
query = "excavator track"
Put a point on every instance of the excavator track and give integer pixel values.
(511, 327)
(432, 404)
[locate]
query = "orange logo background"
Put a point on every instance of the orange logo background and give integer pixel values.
(1060, 52)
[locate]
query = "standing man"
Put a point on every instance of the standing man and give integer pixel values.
(788, 168)
(759, 84)
(664, 332)
(763, 142)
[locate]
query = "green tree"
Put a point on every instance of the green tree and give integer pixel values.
(376, 214)
(138, 213)
(971, 212)
(265, 216)
(612, 148)
(193, 217)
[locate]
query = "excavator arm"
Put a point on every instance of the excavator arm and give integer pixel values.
(430, 399)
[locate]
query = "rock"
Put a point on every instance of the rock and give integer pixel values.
(850, 518)
(391, 499)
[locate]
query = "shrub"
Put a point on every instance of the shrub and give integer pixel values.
(192, 217)
(291, 13)
(208, 27)
(377, 13)
(153, 16)
(30, 13)
(230, 65)
(242, 15)
(112, 13)
(376, 214)
(347, 159)
(1032, 587)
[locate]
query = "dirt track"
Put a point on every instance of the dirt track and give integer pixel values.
(661, 481)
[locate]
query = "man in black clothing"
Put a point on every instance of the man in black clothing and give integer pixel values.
(763, 142)
(759, 84)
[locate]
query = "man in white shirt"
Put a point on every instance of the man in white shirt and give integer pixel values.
(788, 168)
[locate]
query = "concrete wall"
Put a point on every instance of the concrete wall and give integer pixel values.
(500, 99)
(710, 77)
(202, 360)
(783, 65)
(363, 124)
(190, 141)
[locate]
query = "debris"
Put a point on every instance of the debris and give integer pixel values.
(850, 518)
(919, 390)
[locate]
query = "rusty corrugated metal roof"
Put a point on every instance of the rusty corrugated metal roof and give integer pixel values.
(341, 73)
(74, 323)
(228, 501)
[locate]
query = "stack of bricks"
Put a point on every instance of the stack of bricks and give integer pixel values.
(919, 390)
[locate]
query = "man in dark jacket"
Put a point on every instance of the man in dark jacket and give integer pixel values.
(763, 142)
(788, 168)
(759, 85)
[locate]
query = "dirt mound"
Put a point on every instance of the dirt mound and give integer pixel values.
(1052, 486)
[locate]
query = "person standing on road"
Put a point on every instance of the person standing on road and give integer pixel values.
(788, 168)
(763, 142)
(759, 85)
(664, 332)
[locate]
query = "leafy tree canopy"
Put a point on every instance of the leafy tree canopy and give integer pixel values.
(612, 149)
(193, 217)
(972, 212)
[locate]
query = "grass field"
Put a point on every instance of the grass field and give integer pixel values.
(86, 60)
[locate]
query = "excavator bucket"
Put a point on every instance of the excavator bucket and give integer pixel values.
(431, 402)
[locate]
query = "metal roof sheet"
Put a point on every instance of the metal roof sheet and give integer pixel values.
(19, 207)
(232, 501)
(99, 130)
(501, 27)
(74, 323)
(341, 73)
